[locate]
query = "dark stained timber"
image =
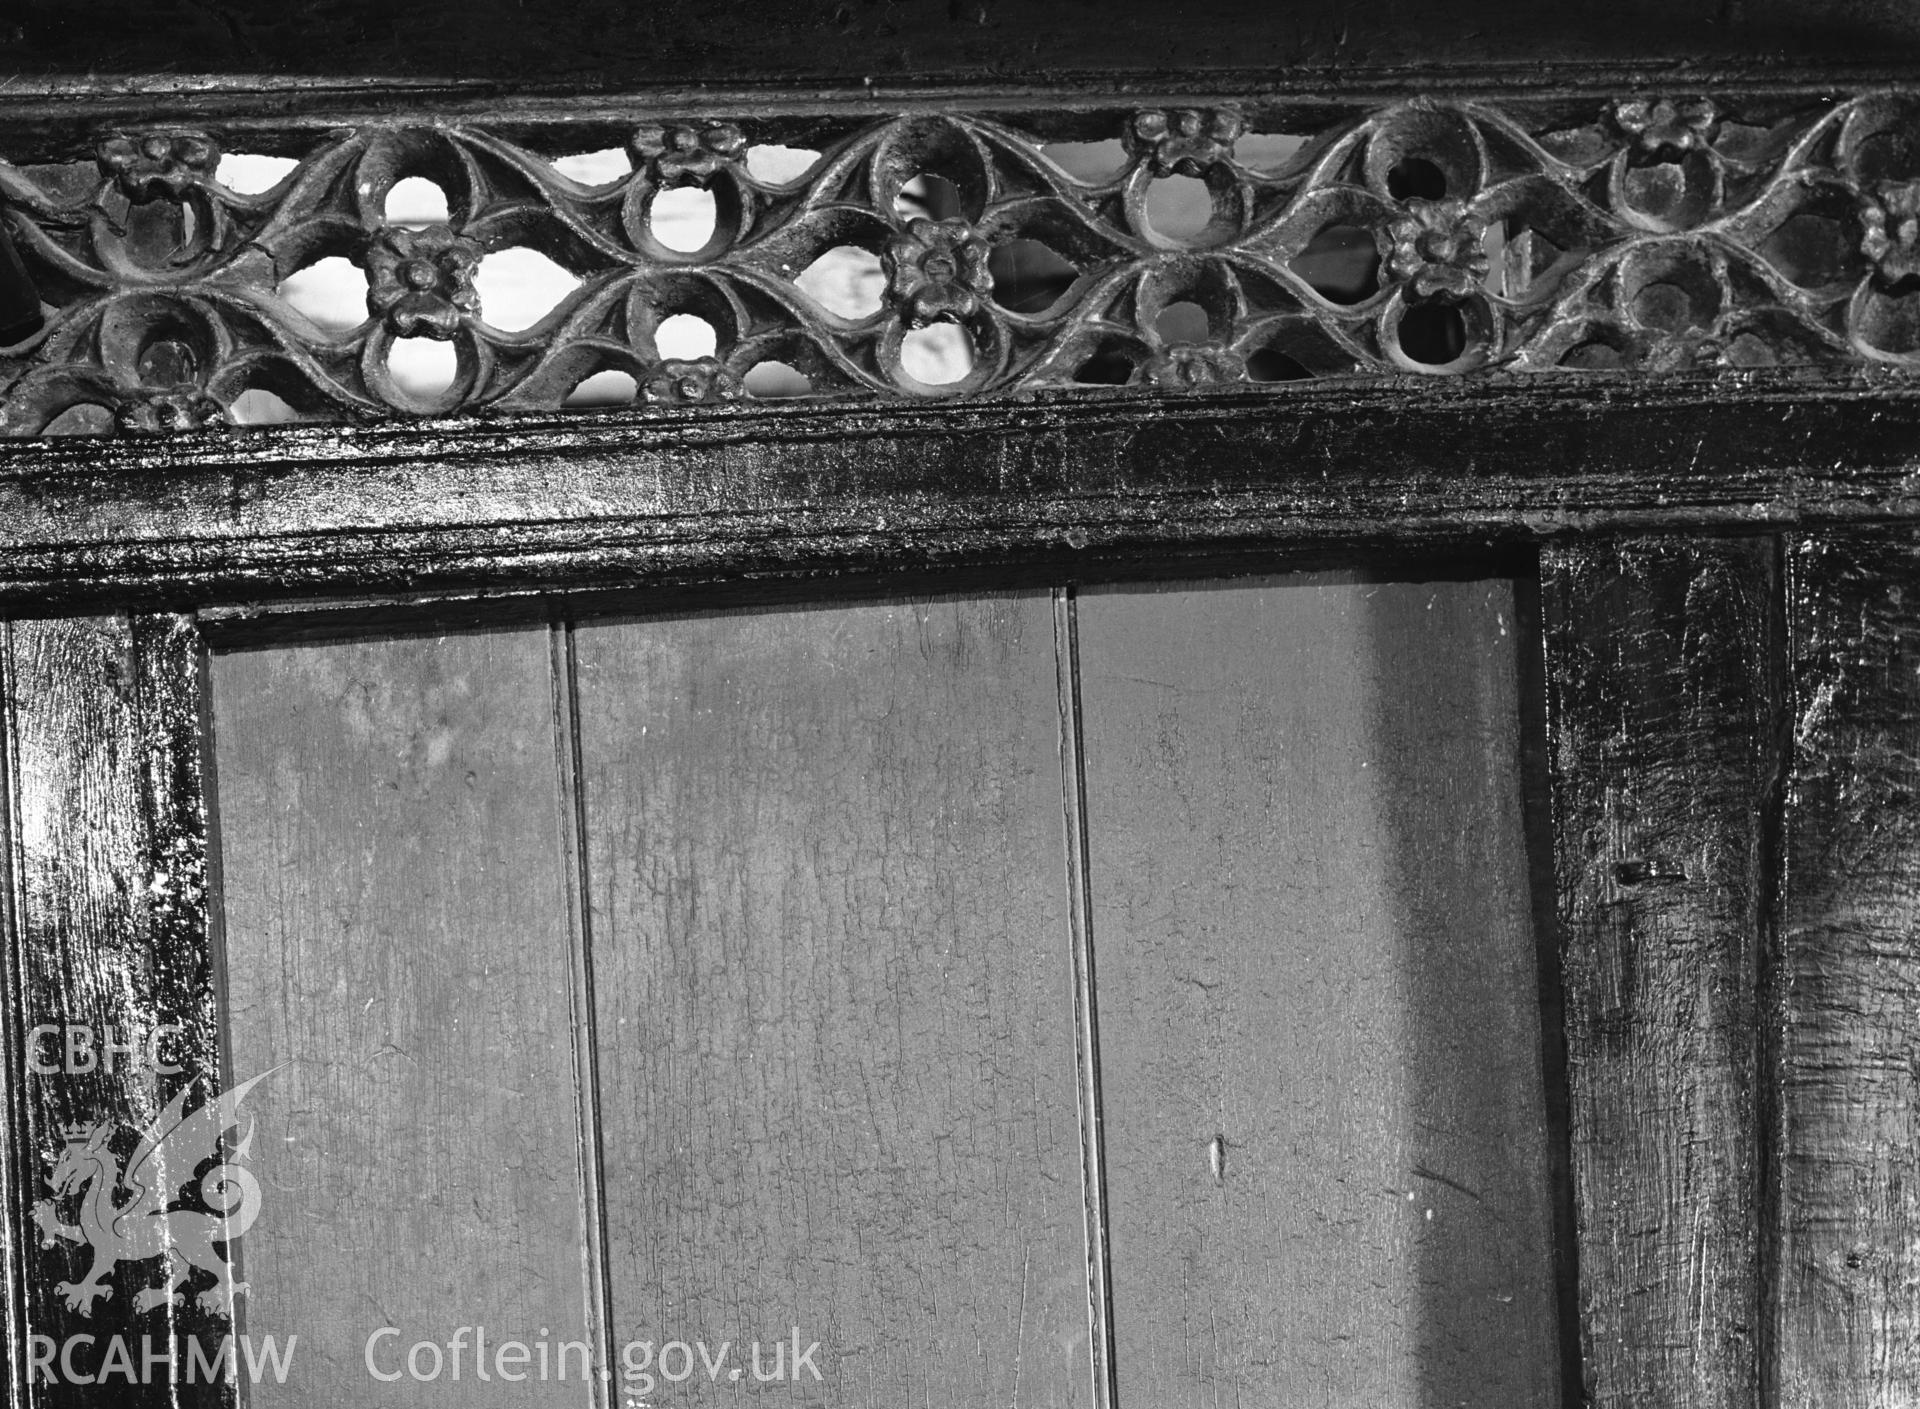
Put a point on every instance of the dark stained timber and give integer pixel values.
(479, 48)
(1242, 241)
(1084, 485)
(1663, 681)
(1848, 1322)
(108, 946)
(1582, 276)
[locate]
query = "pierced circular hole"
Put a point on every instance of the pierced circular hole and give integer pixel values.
(331, 292)
(777, 165)
(601, 168)
(416, 202)
(1182, 322)
(249, 173)
(1672, 307)
(256, 406)
(685, 336)
(682, 219)
(85, 419)
(1423, 155)
(1892, 323)
(1096, 162)
(1892, 154)
(1272, 365)
(166, 362)
(937, 356)
(846, 281)
(1670, 289)
(1751, 350)
(519, 286)
(1416, 178)
(1106, 368)
(1594, 356)
(1341, 264)
(1179, 207)
(1028, 277)
(611, 387)
(1433, 334)
(774, 381)
(1810, 249)
(163, 231)
(1671, 195)
(934, 197)
(422, 367)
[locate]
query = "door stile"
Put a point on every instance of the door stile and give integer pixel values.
(1663, 678)
(115, 1001)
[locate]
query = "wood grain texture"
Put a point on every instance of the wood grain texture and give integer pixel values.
(1847, 1232)
(391, 840)
(484, 45)
(1663, 686)
(1317, 981)
(1082, 483)
(833, 979)
(109, 929)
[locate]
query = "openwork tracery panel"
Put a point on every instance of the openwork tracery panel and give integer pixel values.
(1645, 233)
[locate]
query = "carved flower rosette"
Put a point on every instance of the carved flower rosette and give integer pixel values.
(1170, 249)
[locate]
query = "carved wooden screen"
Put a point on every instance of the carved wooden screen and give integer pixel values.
(1549, 236)
(1644, 346)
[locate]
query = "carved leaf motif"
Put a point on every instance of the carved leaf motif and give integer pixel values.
(1657, 232)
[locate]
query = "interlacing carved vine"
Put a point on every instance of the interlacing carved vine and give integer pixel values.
(1647, 234)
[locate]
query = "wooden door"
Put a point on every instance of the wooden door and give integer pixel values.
(1031, 982)
(1064, 997)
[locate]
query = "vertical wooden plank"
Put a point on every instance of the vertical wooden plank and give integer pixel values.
(17, 1162)
(392, 842)
(1662, 679)
(1848, 1224)
(1317, 983)
(833, 973)
(1086, 1011)
(109, 943)
(586, 1026)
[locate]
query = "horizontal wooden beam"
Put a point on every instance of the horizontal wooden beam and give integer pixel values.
(503, 41)
(1082, 487)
